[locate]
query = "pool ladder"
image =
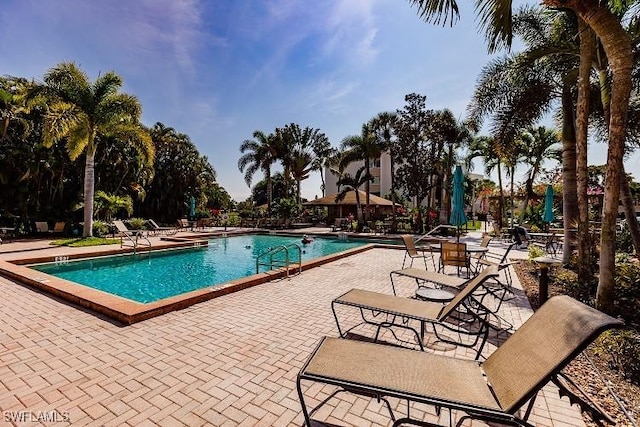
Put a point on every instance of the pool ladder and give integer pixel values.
(268, 258)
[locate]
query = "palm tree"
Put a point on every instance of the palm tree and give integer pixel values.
(302, 164)
(538, 144)
(383, 127)
(522, 87)
(495, 17)
(486, 148)
(348, 183)
(258, 154)
(364, 147)
(84, 113)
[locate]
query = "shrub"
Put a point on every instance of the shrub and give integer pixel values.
(568, 281)
(622, 347)
(627, 291)
(535, 252)
(100, 228)
(137, 223)
(624, 243)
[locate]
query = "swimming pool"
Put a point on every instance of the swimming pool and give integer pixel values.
(146, 278)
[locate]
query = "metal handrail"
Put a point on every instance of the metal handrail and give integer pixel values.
(431, 232)
(271, 252)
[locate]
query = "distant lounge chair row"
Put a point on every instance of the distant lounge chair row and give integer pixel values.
(502, 389)
(43, 227)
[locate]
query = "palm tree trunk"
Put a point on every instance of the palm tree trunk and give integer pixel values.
(617, 45)
(89, 183)
(393, 188)
(269, 191)
(569, 181)
(367, 165)
(587, 51)
(501, 199)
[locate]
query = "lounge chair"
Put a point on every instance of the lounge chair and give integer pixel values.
(475, 257)
(413, 253)
(59, 227)
(463, 315)
(494, 390)
(42, 227)
(133, 236)
(155, 229)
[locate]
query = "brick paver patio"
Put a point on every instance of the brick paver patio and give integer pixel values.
(230, 361)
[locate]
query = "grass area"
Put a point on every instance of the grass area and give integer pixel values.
(81, 242)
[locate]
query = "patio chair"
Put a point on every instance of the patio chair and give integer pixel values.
(412, 252)
(59, 227)
(477, 256)
(455, 255)
(133, 236)
(499, 288)
(42, 227)
(155, 229)
(463, 315)
(494, 390)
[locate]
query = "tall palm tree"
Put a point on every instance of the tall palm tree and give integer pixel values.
(522, 87)
(495, 17)
(258, 154)
(538, 144)
(364, 147)
(347, 183)
(302, 164)
(383, 127)
(84, 112)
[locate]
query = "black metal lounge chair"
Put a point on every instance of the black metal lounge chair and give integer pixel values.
(494, 390)
(464, 317)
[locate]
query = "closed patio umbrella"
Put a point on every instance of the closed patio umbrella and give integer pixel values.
(458, 217)
(548, 205)
(192, 208)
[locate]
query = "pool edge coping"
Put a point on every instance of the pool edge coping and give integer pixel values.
(128, 311)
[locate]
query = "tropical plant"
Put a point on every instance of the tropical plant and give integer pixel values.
(348, 183)
(364, 147)
(109, 205)
(259, 153)
(383, 128)
(86, 114)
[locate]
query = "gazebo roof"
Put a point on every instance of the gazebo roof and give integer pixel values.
(349, 200)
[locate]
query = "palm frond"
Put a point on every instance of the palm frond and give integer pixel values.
(437, 11)
(495, 18)
(59, 120)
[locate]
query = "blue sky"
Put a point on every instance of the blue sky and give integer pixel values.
(218, 70)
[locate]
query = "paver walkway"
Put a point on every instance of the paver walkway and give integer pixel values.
(231, 361)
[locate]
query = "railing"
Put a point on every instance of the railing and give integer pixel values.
(269, 259)
(436, 229)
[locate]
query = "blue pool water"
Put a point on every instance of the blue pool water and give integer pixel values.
(146, 278)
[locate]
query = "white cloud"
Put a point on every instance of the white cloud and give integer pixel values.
(351, 27)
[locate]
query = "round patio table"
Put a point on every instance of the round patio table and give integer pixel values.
(434, 295)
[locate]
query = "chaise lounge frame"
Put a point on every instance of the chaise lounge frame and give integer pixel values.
(494, 390)
(388, 312)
